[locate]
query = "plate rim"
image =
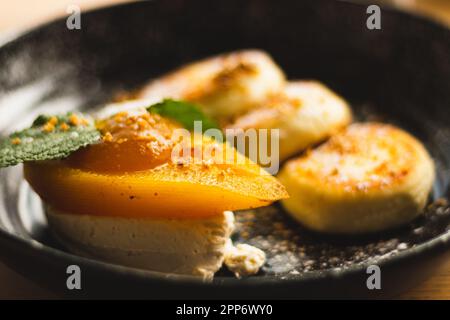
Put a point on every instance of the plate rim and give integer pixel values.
(439, 243)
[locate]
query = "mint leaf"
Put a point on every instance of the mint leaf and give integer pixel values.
(184, 113)
(49, 137)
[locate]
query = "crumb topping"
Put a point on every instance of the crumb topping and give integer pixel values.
(53, 123)
(77, 121)
(16, 141)
(64, 126)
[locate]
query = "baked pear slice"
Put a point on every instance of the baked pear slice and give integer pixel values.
(133, 173)
(368, 178)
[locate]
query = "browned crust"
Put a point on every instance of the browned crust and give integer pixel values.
(389, 154)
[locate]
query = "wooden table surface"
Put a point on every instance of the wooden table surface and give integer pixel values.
(23, 14)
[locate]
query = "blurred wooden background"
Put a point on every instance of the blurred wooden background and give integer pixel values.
(23, 14)
(28, 13)
(19, 15)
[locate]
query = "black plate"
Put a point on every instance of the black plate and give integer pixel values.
(400, 74)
